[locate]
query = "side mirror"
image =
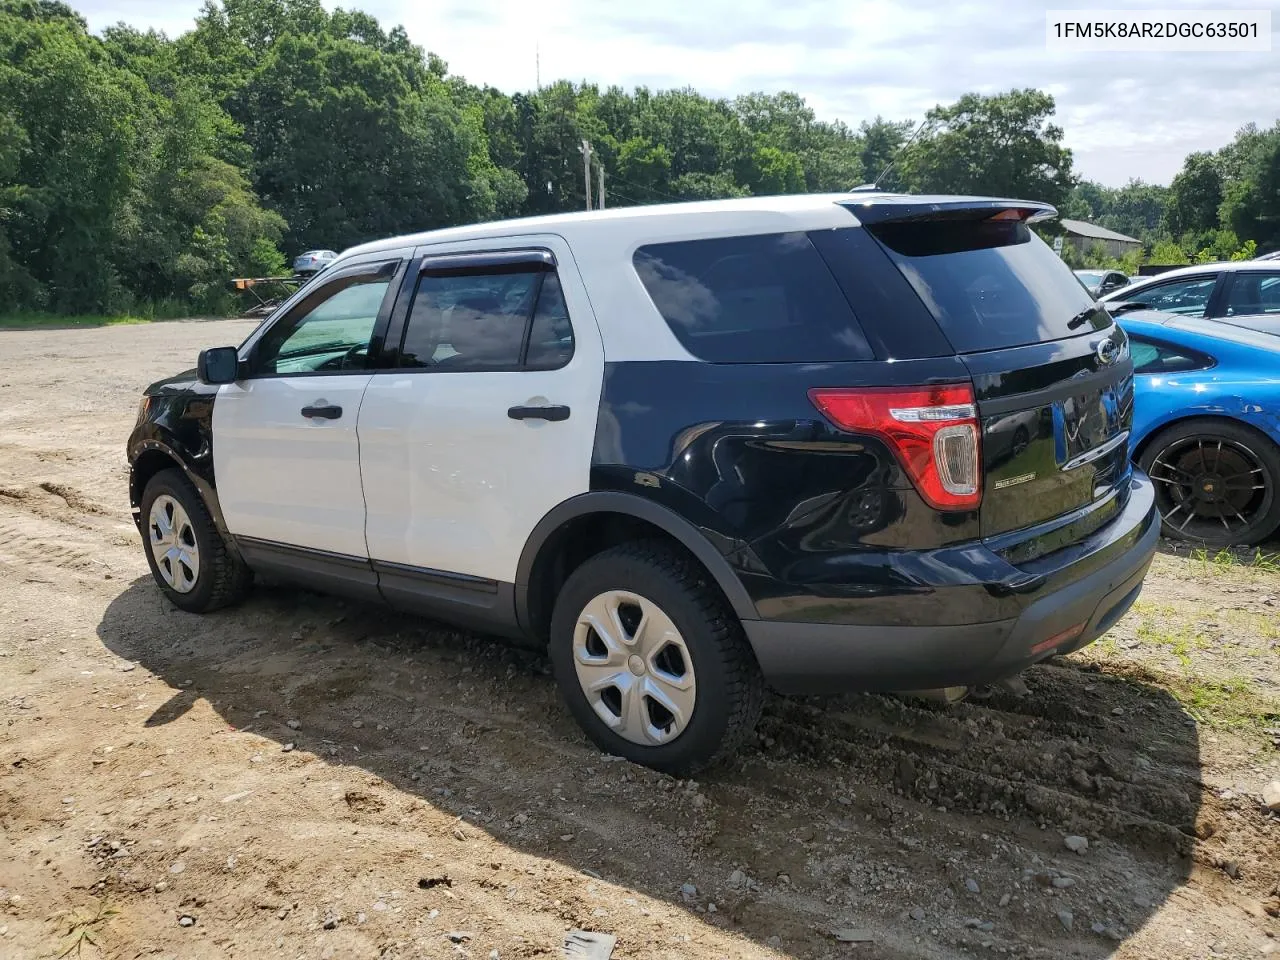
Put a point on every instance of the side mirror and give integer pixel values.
(218, 365)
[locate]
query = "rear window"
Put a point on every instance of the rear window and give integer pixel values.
(990, 284)
(755, 299)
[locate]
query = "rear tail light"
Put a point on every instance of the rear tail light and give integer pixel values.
(933, 431)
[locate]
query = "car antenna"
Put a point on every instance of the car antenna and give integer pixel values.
(875, 185)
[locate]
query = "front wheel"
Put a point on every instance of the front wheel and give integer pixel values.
(1215, 482)
(651, 661)
(187, 555)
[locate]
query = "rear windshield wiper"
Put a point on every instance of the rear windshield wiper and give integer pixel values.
(1081, 318)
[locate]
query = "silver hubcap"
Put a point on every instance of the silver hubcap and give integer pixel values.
(173, 544)
(634, 668)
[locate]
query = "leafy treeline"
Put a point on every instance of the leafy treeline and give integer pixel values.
(1218, 205)
(140, 172)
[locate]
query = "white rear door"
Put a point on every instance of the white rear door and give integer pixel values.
(489, 420)
(285, 453)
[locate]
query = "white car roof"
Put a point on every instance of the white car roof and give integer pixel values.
(1195, 270)
(744, 215)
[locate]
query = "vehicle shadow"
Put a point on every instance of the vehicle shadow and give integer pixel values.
(857, 811)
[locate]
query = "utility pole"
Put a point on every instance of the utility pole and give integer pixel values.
(600, 192)
(537, 66)
(586, 170)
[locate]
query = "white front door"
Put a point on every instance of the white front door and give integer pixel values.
(285, 454)
(489, 421)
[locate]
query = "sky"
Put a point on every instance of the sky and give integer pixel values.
(1124, 115)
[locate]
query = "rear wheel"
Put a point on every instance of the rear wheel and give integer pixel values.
(651, 661)
(186, 553)
(1215, 482)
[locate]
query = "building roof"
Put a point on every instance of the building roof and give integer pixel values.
(1094, 232)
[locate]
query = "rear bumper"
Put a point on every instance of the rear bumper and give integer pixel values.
(839, 657)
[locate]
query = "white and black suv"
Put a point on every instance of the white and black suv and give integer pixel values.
(826, 443)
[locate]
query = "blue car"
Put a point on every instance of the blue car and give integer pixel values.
(1206, 425)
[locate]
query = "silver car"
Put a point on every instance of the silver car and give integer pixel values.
(1101, 282)
(313, 261)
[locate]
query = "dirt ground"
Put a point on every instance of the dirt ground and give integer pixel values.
(299, 777)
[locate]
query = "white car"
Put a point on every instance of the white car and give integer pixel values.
(687, 450)
(1245, 293)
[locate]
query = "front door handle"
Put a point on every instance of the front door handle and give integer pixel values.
(555, 411)
(325, 411)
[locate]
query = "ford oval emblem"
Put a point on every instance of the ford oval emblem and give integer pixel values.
(1108, 351)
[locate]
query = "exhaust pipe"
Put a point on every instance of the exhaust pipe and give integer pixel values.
(1014, 685)
(945, 695)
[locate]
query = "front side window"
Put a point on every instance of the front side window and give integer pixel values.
(328, 332)
(493, 318)
(751, 299)
(1188, 298)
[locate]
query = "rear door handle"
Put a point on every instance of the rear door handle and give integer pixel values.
(555, 411)
(325, 411)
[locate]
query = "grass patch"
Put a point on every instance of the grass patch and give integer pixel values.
(1231, 702)
(1237, 558)
(1181, 641)
(85, 928)
(42, 321)
(1225, 703)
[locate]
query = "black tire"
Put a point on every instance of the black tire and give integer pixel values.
(223, 578)
(1184, 461)
(729, 686)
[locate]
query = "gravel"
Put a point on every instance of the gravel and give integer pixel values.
(972, 885)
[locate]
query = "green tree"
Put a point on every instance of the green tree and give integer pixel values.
(775, 171)
(1167, 253)
(879, 143)
(1195, 195)
(1251, 198)
(1002, 145)
(75, 118)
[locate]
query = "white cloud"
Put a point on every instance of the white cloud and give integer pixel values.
(1124, 115)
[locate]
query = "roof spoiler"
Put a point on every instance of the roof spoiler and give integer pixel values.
(898, 208)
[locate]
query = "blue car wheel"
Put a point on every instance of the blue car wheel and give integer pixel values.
(1215, 482)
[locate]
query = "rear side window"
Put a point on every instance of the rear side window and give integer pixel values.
(990, 284)
(754, 299)
(505, 317)
(1151, 356)
(1253, 293)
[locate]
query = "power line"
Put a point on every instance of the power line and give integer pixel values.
(622, 196)
(640, 186)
